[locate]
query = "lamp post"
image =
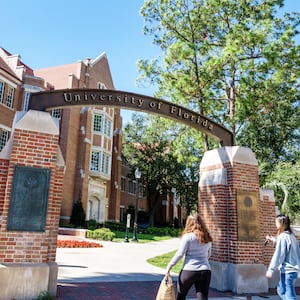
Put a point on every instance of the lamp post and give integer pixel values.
(137, 175)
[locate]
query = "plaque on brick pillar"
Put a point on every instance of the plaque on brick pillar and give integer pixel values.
(29, 199)
(248, 216)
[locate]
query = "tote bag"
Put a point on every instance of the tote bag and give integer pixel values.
(166, 289)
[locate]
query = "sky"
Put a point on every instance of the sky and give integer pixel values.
(49, 33)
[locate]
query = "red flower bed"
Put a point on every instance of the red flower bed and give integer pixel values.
(77, 244)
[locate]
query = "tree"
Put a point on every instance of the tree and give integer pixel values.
(284, 180)
(78, 215)
(234, 61)
(151, 150)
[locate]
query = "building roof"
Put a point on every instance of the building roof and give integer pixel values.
(7, 69)
(4, 66)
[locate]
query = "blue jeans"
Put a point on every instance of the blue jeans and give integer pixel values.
(286, 286)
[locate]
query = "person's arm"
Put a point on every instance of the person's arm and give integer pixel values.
(209, 251)
(178, 255)
(278, 256)
(270, 238)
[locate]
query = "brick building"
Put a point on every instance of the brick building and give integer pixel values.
(90, 137)
(87, 137)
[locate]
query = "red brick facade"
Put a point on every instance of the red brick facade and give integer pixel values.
(39, 150)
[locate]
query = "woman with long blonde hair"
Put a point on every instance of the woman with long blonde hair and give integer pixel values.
(195, 247)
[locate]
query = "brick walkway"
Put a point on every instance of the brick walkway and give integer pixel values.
(140, 290)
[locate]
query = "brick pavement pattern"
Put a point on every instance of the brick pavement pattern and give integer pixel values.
(131, 290)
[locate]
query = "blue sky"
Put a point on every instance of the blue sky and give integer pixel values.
(48, 33)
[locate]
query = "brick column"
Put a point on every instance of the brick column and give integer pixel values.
(33, 144)
(229, 200)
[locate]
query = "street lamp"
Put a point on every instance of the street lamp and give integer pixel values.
(137, 175)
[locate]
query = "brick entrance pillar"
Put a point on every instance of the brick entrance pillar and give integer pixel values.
(30, 207)
(229, 200)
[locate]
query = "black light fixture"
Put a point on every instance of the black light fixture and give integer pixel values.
(137, 175)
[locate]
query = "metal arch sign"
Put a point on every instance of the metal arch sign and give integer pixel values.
(125, 100)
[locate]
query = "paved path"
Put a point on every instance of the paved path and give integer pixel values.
(119, 271)
(113, 262)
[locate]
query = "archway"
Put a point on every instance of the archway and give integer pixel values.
(35, 142)
(44, 101)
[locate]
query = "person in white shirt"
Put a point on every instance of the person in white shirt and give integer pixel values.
(286, 258)
(195, 247)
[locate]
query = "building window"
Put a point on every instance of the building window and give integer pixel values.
(100, 162)
(95, 161)
(105, 163)
(26, 101)
(107, 127)
(101, 86)
(4, 134)
(123, 184)
(97, 126)
(102, 125)
(10, 96)
(131, 186)
(1, 91)
(56, 113)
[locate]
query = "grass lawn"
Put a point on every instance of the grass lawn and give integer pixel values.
(142, 238)
(163, 260)
(158, 261)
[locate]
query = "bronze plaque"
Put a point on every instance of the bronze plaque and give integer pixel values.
(29, 199)
(248, 216)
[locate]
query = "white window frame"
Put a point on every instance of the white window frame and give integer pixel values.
(26, 100)
(98, 123)
(2, 84)
(101, 86)
(100, 162)
(9, 99)
(56, 113)
(102, 124)
(4, 136)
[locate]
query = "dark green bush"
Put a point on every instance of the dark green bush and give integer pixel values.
(78, 215)
(92, 224)
(45, 295)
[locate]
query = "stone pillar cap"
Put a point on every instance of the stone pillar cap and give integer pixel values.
(229, 154)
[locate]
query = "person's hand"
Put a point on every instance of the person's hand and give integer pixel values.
(168, 273)
(269, 274)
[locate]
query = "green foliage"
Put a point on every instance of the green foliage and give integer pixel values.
(92, 224)
(234, 61)
(162, 231)
(145, 236)
(115, 226)
(284, 180)
(45, 295)
(78, 215)
(104, 234)
(163, 260)
(154, 152)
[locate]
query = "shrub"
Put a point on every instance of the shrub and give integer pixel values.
(45, 295)
(92, 224)
(78, 215)
(103, 234)
(118, 226)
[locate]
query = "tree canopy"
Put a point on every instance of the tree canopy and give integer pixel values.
(234, 61)
(153, 152)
